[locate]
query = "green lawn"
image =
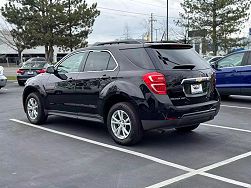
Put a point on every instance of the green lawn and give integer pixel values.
(11, 77)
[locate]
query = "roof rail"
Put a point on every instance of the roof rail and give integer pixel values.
(118, 42)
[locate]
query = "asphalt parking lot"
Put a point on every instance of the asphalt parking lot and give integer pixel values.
(70, 153)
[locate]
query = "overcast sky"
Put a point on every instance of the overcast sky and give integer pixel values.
(116, 15)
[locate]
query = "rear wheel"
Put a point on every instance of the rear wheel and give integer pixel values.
(35, 109)
(20, 83)
(188, 129)
(124, 124)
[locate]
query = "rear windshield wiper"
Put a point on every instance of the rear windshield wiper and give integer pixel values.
(184, 66)
(165, 59)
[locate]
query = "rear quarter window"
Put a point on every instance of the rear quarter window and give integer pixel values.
(169, 58)
(139, 57)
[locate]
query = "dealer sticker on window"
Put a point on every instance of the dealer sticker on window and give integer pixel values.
(196, 88)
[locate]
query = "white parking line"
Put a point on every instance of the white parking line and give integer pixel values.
(138, 154)
(229, 128)
(202, 171)
(239, 107)
(231, 181)
(190, 172)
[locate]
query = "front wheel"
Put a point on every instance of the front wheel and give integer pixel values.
(187, 129)
(35, 109)
(124, 124)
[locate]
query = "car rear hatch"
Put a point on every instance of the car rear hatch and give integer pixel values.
(31, 69)
(189, 78)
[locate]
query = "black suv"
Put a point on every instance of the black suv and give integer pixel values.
(129, 87)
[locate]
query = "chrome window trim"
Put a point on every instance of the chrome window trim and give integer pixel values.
(111, 56)
(197, 79)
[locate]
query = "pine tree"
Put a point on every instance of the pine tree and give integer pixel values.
(222, 19)
(77, 20)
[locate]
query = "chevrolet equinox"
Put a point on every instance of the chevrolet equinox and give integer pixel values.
(130, 87)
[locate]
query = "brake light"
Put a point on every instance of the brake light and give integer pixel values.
(41, 71)
(20, 71)
(156, 82)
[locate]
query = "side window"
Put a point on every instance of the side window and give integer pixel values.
(138, 57)
(71, 64)
(99, 61)
(231, 61)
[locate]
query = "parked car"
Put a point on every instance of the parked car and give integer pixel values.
(29, 70)
(3, 79)
(233, 74)
(212, 59)
(129, 87)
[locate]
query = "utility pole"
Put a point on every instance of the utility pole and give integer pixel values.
(151, 23)
(167, 20)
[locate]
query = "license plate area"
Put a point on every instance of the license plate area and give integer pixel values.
(30, 72)
(196, 88)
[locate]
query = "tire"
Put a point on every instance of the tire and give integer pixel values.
(20, 83)
(133, 131)
(40, 117)
(188, 129)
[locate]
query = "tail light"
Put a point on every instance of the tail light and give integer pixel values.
(20, 71)
(156, 82)
(41, 71)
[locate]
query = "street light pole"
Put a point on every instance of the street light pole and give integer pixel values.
(167, 20)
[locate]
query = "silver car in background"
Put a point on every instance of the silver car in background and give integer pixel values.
(3, 79)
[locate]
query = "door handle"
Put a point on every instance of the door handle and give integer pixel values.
(105, 77)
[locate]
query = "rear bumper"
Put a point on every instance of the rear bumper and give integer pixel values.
(23, 78)
(190, 117)
(3, 81)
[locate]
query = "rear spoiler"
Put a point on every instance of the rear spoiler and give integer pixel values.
(169, 46)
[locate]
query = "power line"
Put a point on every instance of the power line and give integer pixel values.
(135, 13)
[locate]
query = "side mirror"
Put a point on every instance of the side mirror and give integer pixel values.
(214, 65)
(50, 70)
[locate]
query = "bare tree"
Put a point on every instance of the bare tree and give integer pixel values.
(13, 38)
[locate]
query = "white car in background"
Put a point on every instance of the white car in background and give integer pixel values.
(3, 79)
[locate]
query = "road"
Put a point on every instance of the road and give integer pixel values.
(67, 153)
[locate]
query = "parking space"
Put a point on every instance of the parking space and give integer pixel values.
(74, 153)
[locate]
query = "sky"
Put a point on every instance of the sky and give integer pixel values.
(119, 16)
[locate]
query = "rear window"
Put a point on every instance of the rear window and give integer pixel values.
(139, 57)
(173, 58)
(33, 65)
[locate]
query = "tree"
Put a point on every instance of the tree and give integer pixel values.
(49, 23)
(76, 21)
(222, 19)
